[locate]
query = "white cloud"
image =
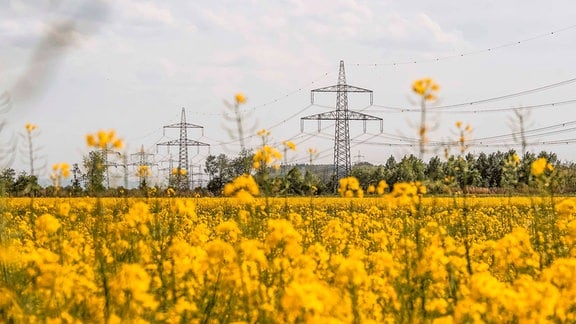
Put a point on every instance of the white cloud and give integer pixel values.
(144, 12)
(435, 29)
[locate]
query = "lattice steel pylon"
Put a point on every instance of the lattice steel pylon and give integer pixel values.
(182, 172)
(341, 116)
(142, 161)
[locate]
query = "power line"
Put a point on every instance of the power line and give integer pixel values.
(273, 126)
(491, 99)
(540, 143)
(510, 136)
(486, 141)
(272, 101)
(485, 50)
(512, 95)
(478, 111)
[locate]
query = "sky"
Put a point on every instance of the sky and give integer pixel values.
(76, 67)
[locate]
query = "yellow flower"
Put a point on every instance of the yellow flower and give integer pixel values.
(179, 171)
(65, 169)
(539, 166)
(117, 144)
(426, 88)
(30, 127)
(240, 98)
(104, 140)
(47, 224)
(130, 285)
(263, 133)
(371, 189)
(60, 170)
(349, 187)
(90, 140)
(458, 124)
(243, 187)
(143, 171)
(266, 156)
(381, 188)
(290, 145)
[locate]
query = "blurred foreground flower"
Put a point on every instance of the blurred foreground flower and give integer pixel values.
(104, 140)
(426, 89)
(30, 127)
(59, 172)
(540, 166)
(243, 187)
(240, 98)
(179, 171)
(350, 187)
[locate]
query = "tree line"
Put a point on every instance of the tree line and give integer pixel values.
(484, 173)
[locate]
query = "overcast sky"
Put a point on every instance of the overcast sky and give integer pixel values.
(74, 67)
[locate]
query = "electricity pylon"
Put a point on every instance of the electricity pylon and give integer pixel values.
(181, 172)
(342, 116)
(142, 161)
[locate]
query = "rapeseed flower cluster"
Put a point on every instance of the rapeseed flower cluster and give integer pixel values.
(243, 187)
(179, 172)
(463, 136)
(540, 166)
(59, 171)
(335, 259)
(30, 127)
(143, 171)
(350, 187)
(240, 98)
(104, 140)
(266, 156)
(426, 88)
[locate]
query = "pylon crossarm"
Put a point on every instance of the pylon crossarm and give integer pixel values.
(169, 143)
(190, 142)
(187, 142)
(181, 125)
(342, 87)
(354, 115)
(330, 115)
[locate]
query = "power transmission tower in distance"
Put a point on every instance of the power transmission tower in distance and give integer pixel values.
(359, 157)
(107, 163)
(142, 160)
(341, 116)
(181, 172)
(196, 177)
(169, 169)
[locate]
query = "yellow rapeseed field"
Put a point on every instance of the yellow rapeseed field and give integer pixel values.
(398, 258)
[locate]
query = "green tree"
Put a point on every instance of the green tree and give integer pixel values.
(7, 178)
(294, 182)
(483, 166)
(433, 171)
(77, 175)
(242, 164)
(391, 171)
(364, 172)
(26, 185)
(473, 177)
(94, 172)
(217, 168)
(524, 175)
(410, 168)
